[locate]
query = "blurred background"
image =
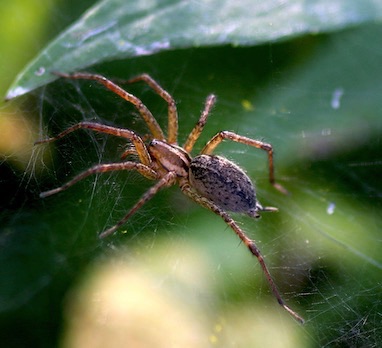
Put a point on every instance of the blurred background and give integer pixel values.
(176, 275)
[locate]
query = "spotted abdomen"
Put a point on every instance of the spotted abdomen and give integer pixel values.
(224, 183)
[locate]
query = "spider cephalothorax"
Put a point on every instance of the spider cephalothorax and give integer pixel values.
(211, 181)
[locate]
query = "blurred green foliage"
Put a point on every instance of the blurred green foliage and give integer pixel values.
(316, 98)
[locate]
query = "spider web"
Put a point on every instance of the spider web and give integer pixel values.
(319, 107)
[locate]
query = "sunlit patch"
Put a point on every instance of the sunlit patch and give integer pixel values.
(17, 134)
(40, 71)
(336, 98)
(331, 208)
(247, 105)
(213, 339)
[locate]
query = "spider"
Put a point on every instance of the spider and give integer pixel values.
(212, 181)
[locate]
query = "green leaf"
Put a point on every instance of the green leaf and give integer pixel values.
(119, 29)
(316, 99)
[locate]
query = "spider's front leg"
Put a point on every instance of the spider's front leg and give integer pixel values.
(103, 168)
(145, 113)
(198, 128)
(137, 141)
(172, 128)
(145, 168)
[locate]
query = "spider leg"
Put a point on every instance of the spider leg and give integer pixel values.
(197, 130)
(219, 137)
(251, 245)
(129, 151)
(167, 180)
(119, 132)
(172, 128)
(103, 168)
(145, 113)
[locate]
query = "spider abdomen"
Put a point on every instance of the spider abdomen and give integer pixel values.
(224, 183)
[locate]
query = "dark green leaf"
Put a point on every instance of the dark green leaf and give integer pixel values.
(118, 29)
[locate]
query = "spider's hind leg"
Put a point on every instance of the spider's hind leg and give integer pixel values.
(219, 137)
(251, 245)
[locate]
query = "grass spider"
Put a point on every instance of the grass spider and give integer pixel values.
(211, 181)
